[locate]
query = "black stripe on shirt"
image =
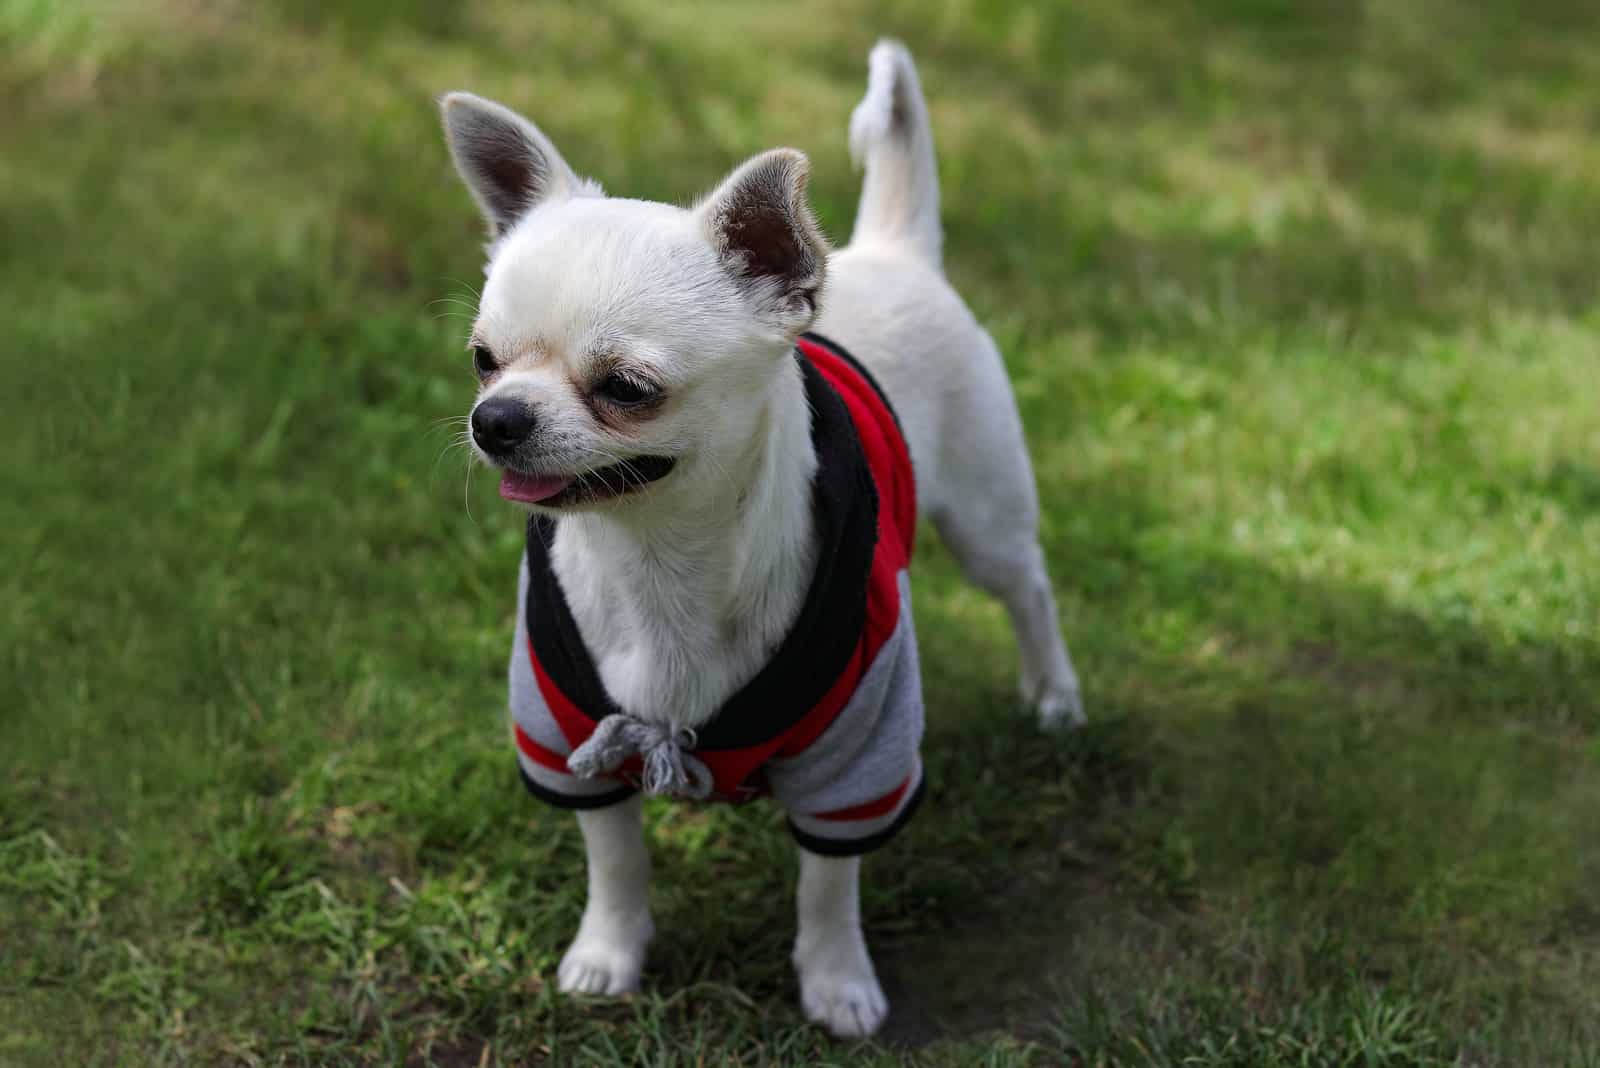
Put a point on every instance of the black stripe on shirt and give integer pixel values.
(576, 802)
(854, 847)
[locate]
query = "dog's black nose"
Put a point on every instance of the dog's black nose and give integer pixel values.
(500, 424)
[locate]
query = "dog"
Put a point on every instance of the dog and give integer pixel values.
(724, 435)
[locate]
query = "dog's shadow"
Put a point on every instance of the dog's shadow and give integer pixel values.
(964, 910)
(1023, 838)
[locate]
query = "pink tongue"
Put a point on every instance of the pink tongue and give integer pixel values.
(531, 489)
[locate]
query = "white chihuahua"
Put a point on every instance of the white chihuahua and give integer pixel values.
(713, 601)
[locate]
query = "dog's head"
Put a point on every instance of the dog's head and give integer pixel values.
(620, 342)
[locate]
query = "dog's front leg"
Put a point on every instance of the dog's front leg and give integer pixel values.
(608, 953)
(838, 988)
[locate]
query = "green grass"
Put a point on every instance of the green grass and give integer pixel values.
(1299, 301)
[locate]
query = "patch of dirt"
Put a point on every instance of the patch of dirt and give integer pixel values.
(461, 1053)
(1327, 662)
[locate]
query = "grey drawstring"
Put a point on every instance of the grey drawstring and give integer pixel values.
(667, 769)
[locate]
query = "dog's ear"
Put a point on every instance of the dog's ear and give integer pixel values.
(507, 163)
(761, 225)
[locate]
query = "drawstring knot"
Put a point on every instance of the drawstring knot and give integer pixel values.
(667, 768)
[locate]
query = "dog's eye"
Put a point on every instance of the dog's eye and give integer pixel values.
(483, 361)
(622, 390)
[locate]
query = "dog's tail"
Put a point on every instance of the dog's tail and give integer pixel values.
(890, 136)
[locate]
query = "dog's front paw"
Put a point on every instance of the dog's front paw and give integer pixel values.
(605, 958)
(849, 1006)
(843, 996)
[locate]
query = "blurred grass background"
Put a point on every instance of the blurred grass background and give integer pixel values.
(1299, 301)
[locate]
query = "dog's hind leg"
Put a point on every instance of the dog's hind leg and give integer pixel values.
(608, 954)
(1000, 552)
(945, 375)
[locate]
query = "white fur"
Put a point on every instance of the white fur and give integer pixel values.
(900, 191)
(838, 987)
(608, 952)
(682, 589)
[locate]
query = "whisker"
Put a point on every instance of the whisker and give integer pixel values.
(466, 491)
(461, 440)
(468, 286)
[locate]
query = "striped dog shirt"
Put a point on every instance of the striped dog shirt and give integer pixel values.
(831, 724)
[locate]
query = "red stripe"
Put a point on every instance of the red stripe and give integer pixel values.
(886, 450)
(799, 737)
(889, 461)
(539, 754)
(575, 726)
(872, 809)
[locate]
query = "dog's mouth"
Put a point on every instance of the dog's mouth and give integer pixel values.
(603, 483)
